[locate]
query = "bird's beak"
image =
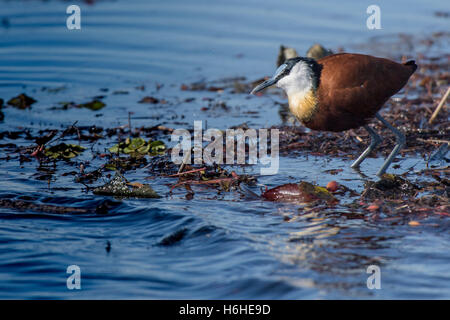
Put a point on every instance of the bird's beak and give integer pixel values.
(264, 85)
(277, 76)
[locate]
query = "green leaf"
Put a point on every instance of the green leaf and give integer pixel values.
(76, 147)
(64, 151)
(127, 150)
(22, 101)
(157, 146)
(143, 149)
(70, 155)
(136, 143)
(114, 149)
(138, 147)
(93, 105)
(110, 166)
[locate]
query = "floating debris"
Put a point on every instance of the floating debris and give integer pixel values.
(302, 192)
(373, 207)
(440, 105)
(118, 186)
(139, 147)
(89, 177)
(43, 139)
(219, 177)
(332, 186)
(64, 151)
(93, 105)
(22, 101)
(200, 86)
(389, 186)
(120, 92)
(150, 100)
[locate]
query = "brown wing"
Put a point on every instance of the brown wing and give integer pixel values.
(353, 87)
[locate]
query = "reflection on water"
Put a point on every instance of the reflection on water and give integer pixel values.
(230, 247)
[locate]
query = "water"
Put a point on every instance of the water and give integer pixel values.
(233, 247)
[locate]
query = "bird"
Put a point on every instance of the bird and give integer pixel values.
(343, 91)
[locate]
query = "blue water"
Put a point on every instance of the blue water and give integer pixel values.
(233, 247)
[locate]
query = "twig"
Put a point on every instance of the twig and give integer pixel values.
(185, 159)
(186, 172)
(439, 107)
(234, 177)
(293, 145)
(433, 141)
(213, 181)
(163, 128)
(62, 135)
(358, 138)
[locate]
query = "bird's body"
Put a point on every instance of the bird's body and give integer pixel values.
(351, 89)
(341, 92)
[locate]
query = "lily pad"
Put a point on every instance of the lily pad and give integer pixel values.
(64, 151)
(138, 147)
(93, 105)
(157, 147)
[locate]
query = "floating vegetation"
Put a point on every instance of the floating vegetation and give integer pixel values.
(302, 192)
(93, 105)
(64, 151)
(22, 101)
(151, 100)
(139, 147)
(208, 176)
(389, 186)
(118, 186)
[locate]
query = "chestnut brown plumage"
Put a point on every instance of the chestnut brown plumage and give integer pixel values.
(341, 92)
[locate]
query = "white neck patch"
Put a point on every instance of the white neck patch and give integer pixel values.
(299, 81)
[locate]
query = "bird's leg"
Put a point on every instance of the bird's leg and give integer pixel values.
(374, 141)
(400, 138)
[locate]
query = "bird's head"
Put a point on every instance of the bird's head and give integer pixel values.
(294, 75)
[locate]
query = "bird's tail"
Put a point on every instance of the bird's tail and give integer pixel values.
(411, 64)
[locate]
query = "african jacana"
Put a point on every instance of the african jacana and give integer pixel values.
(342, 91)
